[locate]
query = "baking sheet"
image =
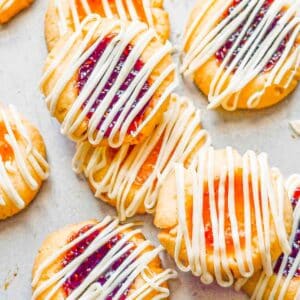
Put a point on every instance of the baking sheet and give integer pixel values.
(66, 198)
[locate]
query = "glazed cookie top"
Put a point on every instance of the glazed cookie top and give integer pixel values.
(248, 39)
(228, 213)
(287, 267)
(22, 161)
(105, 83)
(132, 176)
(64, 15)
(102, 260)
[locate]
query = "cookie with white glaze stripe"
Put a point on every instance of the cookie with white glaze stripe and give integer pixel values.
(285, 282)
(96, 258)
(129, 177)
(63, 15)
(243, 54)
(225, 217)
(23, 165)
(109, 82)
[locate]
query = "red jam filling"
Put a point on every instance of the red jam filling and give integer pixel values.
(222, 52)
(6, 152)
(295, 246)
(92, 261)
(87, 68)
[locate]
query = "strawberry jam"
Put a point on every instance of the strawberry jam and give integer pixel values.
(87, 266)
(87, 68)
(222, 52)
(295, 246)
(6, 152)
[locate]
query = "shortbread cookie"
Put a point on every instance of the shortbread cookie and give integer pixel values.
(99, 260)
(65, 15)
(109, 82)
(129, 178)
(9, 8)
(285, 282)
(225, 217)
(244, 53)
(23, 166)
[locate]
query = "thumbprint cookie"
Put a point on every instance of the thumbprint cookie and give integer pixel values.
(285, 282)
(23, 166)
(66, 15)
(109, 82)
(9, 8)
(129, 178)
(243, 54)
(99, 260)
(224, 217)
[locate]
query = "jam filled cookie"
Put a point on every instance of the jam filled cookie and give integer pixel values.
(22, 162)
(224, 217)
(9, 8)
(243, 54)
(285, 282)
(99, 260)
(109, 82)
(129, 178)
(65, 15)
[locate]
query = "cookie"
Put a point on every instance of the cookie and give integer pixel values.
(243, 54)
(9, 8)
(285, 281)
(109, 82)
(99, 260)
(23, 165)
(225, 217)
(65, 15)
(129, 178)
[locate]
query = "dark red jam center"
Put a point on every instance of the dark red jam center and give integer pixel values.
(295, 246)
(92, 261)
(222, 52)
(87, 68)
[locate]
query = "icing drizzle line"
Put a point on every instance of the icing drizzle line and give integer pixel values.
(99, 76)
(255, 53)
(268, 200)
(122, 12)
(283, 279)
(177, 139)
(17, 137)
(136, 264)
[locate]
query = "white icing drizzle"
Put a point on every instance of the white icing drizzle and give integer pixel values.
(267, 192)
(5, 4)
(136, 264)
(295, 125)
(282, 282)
(232, 76)
(25, 155)
(126, 10)
(181, 137)
(101, 73)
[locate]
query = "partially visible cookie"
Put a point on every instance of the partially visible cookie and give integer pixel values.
(9, 8)
(129, 178)
(285, 282)
(243, 54)
(23, 165)
(105, 260)
(65, 15)
(109, 82)
(225, 217)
